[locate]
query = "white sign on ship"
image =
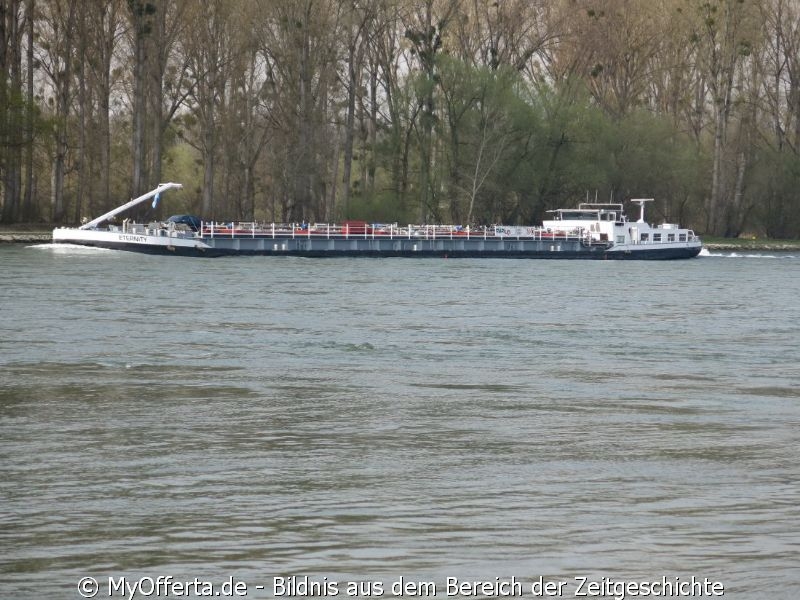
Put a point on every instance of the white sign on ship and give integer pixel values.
(515, 231)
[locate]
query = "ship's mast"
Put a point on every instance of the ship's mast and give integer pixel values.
(640, 202)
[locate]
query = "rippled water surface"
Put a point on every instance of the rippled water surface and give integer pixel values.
(366, 419)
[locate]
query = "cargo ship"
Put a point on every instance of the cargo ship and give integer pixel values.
(590, 231)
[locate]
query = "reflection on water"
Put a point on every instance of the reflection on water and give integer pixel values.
(368, 419)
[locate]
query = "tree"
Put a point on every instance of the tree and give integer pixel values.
(723, 39)
(299, 42)
(57, 40)
(357, 18)
(399, 114)
(142, 13)
(621, 40)
(210, 53)
(425, 29)
(27, 211)
(105, 29)
(12, 105)
(486, 126)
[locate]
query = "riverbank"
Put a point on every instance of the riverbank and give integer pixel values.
(33, 233)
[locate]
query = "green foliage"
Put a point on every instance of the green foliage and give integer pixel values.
(563, 161)
(382, 208)
(181, 165)
(774, 191)
(508, 151)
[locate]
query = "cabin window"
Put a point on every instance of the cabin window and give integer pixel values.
(656, 237)
(682, 237)
(620, 239)
(670, 237)
(577, 215)
(645, 237)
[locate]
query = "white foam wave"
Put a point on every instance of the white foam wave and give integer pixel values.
(68, 248)
(705, 252)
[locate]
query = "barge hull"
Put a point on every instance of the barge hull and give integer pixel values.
(520, 249)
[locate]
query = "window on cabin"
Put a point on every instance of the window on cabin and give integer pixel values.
(682, 237)
(578, 215)
(670, 237)
(645, 237)
(620, 239)
(656, 237)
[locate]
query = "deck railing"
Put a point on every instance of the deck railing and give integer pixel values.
(390, 231)
(418, 232)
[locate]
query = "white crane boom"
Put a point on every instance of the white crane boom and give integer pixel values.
(161, 188)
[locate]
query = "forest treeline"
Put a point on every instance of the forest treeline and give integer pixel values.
(467, 111)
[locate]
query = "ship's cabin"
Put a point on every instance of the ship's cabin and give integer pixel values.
(591, 212)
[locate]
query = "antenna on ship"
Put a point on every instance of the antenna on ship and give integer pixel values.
(640, 202)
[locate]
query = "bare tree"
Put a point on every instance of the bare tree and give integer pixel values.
(168, 84)
(722, 38)
(58, 37)
(299, 41)
(104, 31)
(11, 106)
(142, 14)
(209, 52)
(357, 18)
(27, 211)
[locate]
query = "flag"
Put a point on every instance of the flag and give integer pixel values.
(155, 200)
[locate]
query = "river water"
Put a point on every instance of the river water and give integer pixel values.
(363, 420)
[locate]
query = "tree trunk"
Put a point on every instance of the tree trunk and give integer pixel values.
(4, 104)
(303, 170)
(363, 129)
(82, 103)
(427, 116)
(373, 130)
(330, 213)
(735, 217)
(748, 123)
(141, 31)
(716, 171)
(11, 117)
(105, 25)
(208, 169)
(157, 67)
(724, 56)
(249, 196)
(63, 80)
(27, 206)
(105, 139)
(349, 126)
